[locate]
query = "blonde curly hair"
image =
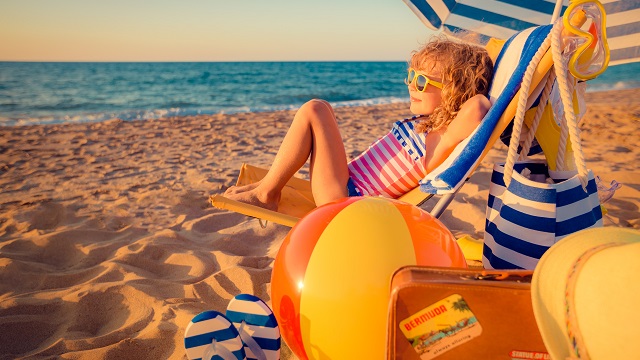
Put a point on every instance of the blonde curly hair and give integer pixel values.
(466, 71)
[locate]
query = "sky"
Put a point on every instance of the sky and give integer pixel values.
(208, 30)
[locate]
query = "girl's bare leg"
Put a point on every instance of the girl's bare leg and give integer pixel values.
(314, 132)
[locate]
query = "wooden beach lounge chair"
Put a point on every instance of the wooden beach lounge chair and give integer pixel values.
(510, 65)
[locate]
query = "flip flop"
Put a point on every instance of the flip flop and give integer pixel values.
(257, 326)
(210, 335)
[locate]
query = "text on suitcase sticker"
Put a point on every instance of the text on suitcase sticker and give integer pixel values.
(441, 327)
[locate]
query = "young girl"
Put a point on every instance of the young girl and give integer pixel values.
(448, 83)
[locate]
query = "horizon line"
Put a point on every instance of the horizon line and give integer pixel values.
(186, 61)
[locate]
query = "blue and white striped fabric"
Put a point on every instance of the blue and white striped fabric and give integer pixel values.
(207, 326)
(259, 323)
(509, 70)
(499, 19)
(502, 19)
(529, 216)
(623, 30)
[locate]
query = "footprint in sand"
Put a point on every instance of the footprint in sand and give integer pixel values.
(28, 325)
(48, 216)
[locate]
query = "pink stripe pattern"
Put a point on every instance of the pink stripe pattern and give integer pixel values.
(392, 165)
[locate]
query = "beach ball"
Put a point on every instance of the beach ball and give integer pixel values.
(331, 277)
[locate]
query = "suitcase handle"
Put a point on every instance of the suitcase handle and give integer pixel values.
(500, 275)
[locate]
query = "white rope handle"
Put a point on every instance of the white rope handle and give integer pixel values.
(555, 38)
(544, 99)
(522, 107)
(562, 144)
(567, 102)
(564, 136)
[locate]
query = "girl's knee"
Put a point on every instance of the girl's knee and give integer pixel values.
(320, 102)
(316, 108)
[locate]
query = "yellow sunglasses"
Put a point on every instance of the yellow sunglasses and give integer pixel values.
(421, 80)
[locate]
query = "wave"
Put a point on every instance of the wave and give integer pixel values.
(618, 85)
(180, 108)
(135, 115)
(52, 93)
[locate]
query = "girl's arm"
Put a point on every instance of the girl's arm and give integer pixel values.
(439, 147)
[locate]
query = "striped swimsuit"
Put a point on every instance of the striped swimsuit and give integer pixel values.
(391, 166)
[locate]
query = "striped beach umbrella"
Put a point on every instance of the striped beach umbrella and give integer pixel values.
(503, 18)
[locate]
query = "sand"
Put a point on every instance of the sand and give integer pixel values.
(109, 247)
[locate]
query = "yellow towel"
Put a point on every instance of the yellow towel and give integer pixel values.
(471, 248)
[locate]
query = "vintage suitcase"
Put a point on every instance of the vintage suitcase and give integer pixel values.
(446, 313)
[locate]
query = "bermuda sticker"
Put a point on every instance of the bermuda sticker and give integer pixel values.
(441, 327)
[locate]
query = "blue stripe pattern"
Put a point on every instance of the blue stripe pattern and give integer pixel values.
(579, 222)
(621, 30)
(621, 6)
(626, 54)
(492, 18)
(536, 194)
(411, 141)
(544, 7)
(254, 319)
(630, 27)
(268, 344)
(494, 202)
(239, 354)
(427, 11)
(516, 244)
(498, 263)
(517, 232)
(204, 339)
(450, 29)
(198, 335)
(489, 23)
(250, 311)
(539, 223)
(486, 23)
(569, 196)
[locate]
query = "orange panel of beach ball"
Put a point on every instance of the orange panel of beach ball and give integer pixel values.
(331, 276)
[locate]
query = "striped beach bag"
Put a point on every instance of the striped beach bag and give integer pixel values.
(529, 215)
(531, 207)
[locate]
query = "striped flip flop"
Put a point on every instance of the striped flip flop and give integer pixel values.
(257, 326)
(210, 335)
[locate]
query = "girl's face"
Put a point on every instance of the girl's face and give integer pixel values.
(424, 102)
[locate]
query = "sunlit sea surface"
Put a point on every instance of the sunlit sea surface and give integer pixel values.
(46, 93)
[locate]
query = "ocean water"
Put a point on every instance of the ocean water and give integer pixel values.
(47, 93)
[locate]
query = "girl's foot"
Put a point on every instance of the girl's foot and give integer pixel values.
(254, 197)
(232, 190)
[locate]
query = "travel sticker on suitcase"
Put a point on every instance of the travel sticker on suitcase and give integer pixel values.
(441, 327)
